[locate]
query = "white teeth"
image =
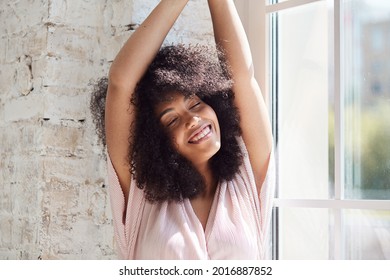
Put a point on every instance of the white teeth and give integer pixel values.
(201, 134)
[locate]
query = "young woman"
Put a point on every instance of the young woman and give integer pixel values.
(189, 143)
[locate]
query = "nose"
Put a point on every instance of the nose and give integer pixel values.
(193, 121)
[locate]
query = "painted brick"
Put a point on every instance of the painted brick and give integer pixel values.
(17, 16)
(67, 43)
(32, 42)
(23, 108)
(77, 13)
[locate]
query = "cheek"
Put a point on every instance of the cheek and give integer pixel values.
(175, 139)
(213, 116)
(211, 112)
(178, 142)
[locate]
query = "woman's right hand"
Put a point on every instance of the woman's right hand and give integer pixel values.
(126, 70)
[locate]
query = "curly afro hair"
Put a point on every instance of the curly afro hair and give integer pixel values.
(157, 167)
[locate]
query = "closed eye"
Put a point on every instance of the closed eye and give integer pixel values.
(172, 122)
(197, 104)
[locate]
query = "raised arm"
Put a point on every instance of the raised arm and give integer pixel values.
(126, 70)
(230, 36)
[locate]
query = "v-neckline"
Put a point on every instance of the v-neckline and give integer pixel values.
(211, 216)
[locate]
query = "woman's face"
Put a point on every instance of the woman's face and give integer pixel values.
(192, 125)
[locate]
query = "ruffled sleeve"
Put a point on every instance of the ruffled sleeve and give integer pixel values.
(267, 194)
(263, 202)
(126, 219)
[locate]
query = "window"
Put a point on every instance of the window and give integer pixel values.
(327, 79)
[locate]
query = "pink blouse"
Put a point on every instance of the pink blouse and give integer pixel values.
(237, 228)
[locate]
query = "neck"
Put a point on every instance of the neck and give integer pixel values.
(210, 179)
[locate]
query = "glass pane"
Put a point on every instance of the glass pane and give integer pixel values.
(304, 234)
(302, 98)
(366, 234)
(366, 87)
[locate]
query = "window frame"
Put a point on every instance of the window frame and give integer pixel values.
(258, 17)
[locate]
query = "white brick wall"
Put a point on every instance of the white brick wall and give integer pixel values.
(53, 197)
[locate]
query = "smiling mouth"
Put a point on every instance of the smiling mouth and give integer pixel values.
(201, 135)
